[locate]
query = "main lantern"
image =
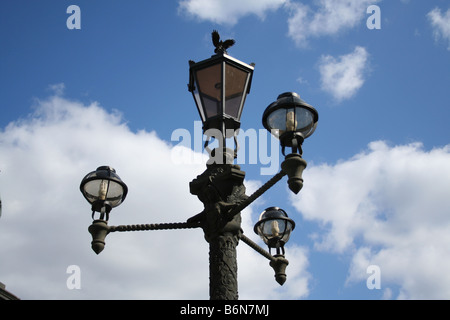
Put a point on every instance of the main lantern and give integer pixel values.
(219, 86)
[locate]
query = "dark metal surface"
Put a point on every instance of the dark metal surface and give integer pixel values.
(221, 188)
(221, 46)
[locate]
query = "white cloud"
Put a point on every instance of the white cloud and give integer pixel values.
(43, 228)
(342, 77)
(227, 12)
(57, 89)
(441, 24)
(330, 17)
(297, 22)
(324, 18)
(388, 206)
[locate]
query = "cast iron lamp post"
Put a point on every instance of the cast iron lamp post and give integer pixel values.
(219, 86)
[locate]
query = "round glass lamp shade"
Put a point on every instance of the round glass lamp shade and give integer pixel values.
(290, 116)
(103, 187)
(274, 227)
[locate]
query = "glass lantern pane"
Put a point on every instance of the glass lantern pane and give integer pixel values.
(105, 190)
(304, 121)
(115, 193)
(211, 107)
(235, 86)
(91, 189)
(293, 119)
(274, 229)
(287, 232)
(277, 122)
(209, 82)
(198, 102)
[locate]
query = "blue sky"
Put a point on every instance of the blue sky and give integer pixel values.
(114, 92)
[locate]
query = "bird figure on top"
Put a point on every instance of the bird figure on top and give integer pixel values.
(221, 46)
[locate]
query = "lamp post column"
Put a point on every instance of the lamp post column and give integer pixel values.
(223, 264)
(220, 188)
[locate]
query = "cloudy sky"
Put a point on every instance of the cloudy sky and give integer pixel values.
(373, 218)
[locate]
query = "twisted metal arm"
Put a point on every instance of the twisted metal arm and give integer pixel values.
(183, 225)
(269, 184)
(154, 226)
(257, 248)
(196, 224)
(277, 262)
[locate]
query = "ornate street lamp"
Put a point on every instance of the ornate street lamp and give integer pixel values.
(291, 120)
(219, 86)
(274, 227)
(104, 190)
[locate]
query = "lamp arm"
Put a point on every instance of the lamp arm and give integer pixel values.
(277, 262)
(269, 184)
(257, 248)
(154, 226)
(99, 229)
